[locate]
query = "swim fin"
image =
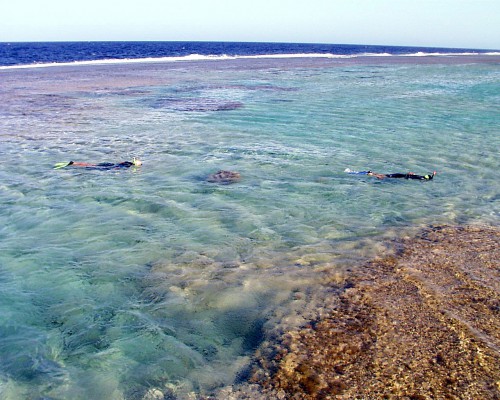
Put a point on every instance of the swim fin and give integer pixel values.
(61, 165)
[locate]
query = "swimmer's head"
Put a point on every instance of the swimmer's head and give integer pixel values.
(136, 162)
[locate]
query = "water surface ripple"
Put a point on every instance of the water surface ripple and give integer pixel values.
(116, 282)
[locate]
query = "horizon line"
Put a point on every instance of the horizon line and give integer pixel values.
(250, 42)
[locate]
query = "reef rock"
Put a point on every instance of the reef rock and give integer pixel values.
(224, 177)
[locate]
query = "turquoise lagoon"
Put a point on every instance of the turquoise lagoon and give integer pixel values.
(117, 282)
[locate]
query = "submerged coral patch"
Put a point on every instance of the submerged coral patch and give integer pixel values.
(224, 177)
(196, 104)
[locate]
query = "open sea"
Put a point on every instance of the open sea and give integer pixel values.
(123, 283)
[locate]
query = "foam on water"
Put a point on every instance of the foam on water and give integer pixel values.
(225, 57)
(116, 282)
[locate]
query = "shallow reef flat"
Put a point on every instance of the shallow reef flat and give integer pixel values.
(423, 323)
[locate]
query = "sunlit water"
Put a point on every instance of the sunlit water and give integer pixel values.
(115, 282)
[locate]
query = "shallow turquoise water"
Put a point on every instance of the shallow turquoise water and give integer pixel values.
(115, 282)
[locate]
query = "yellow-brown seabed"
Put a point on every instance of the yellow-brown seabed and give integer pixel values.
(424, 324)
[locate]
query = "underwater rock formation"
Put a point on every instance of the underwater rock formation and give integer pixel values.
(224, 177)
(422, 324)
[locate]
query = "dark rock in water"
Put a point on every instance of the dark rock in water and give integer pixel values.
(28, 368)
(206, 105)
(228, 106)
(196, 104)
(224, 177)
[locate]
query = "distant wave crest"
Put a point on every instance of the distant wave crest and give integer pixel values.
(423, 54)
(201, 57)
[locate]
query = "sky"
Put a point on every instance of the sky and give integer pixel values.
(434, 23)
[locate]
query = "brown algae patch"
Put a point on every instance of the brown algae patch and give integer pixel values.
(423, 324)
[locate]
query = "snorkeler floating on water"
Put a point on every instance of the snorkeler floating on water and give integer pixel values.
(409, 175)
(101, 166)
(230, 176)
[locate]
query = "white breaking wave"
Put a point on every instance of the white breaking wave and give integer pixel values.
(422, 54)
(200, 57)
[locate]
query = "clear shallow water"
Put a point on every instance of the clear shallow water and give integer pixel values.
(115, 282)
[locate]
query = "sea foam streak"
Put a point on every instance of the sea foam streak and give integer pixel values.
(201, 57)
(423, 54)
(191, 57)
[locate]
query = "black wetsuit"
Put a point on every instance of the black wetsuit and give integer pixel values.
(124, 164)
(427, 177)
(107, 166)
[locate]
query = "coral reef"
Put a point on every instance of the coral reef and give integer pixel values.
(422, 324)
(224, 177)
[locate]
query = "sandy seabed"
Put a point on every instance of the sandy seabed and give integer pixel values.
(423, 323)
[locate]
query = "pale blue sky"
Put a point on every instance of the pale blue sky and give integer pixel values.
(442, 23)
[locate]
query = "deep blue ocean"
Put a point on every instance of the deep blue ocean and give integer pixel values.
(154, 282)
(64, 52)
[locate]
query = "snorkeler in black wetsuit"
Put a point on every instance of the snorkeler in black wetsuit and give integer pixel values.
(101, 166)
(409, 175)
